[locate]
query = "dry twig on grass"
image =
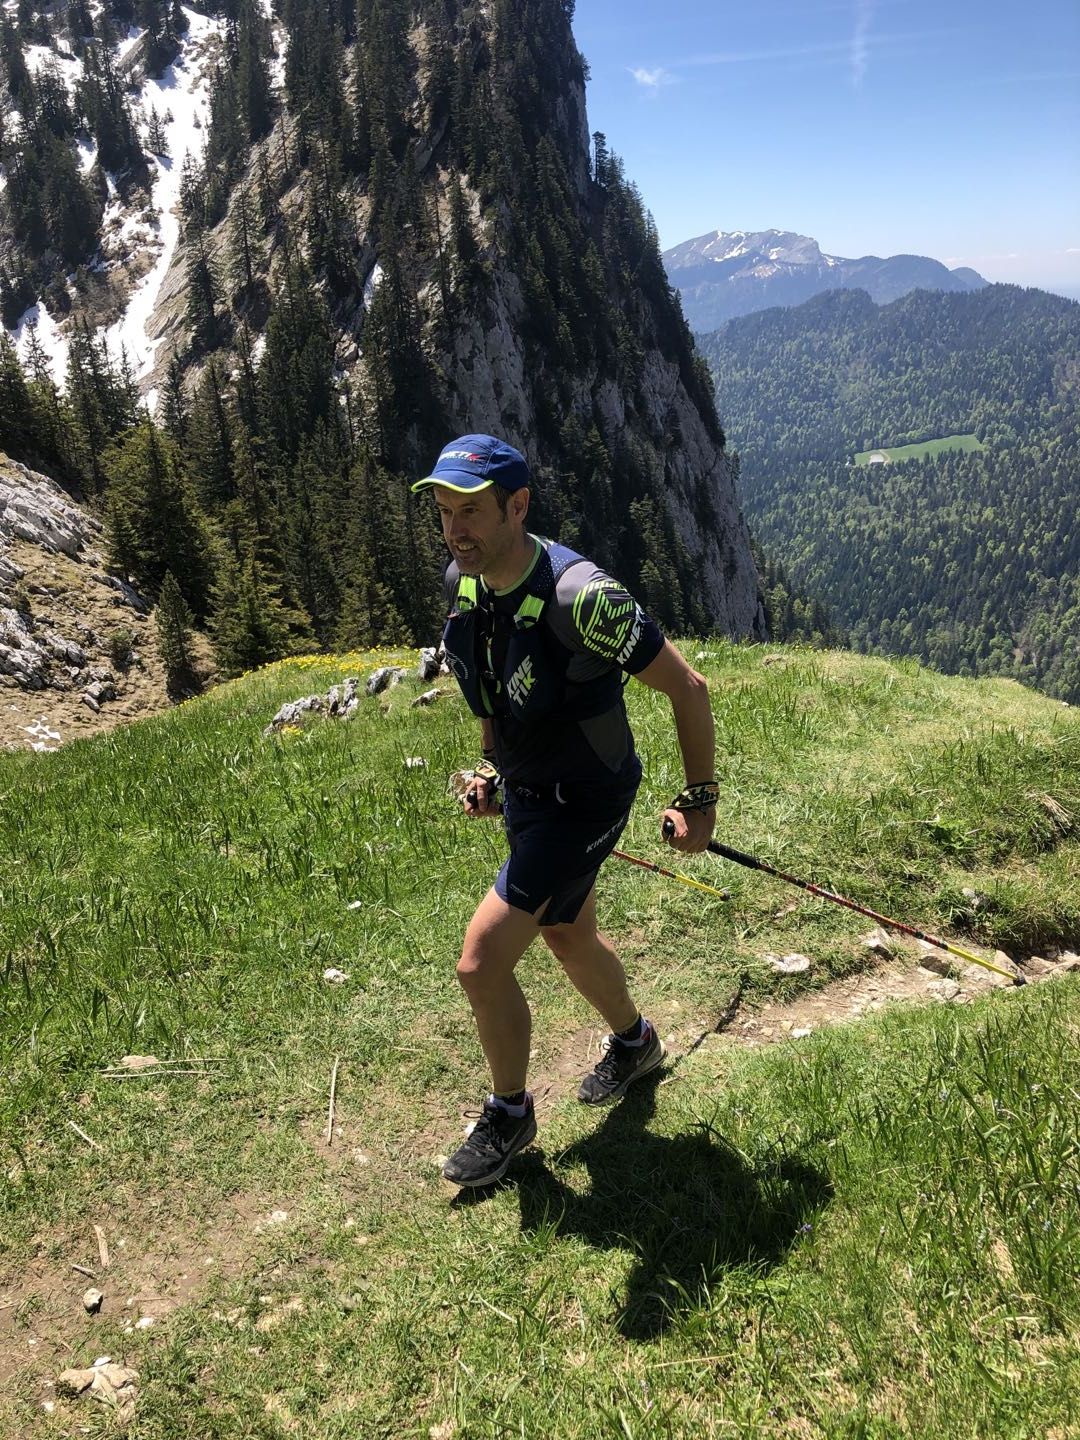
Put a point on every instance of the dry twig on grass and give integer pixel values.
(333, 1097)
(84, 1136)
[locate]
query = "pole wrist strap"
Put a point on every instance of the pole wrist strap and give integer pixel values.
(697, 797)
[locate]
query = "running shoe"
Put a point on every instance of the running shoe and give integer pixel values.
(490, 1146)
(619, 1067)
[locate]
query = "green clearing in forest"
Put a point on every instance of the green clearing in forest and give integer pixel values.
(923, 448)
(870, 1232)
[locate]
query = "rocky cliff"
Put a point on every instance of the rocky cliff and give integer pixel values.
(78, 652)
(490, 365)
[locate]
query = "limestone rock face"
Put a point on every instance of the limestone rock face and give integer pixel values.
(485, 365)
(34, 508)
(58, 609)
(489, 390)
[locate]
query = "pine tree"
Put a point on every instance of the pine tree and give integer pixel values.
(209, 442)
(156, 137)
(246, 251)
(253, 76)
(174, 622)
(202, 296)
(17, 431)
(174, 410)
(152, 524)
(250, 624)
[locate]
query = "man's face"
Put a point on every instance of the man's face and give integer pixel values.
(478, 535)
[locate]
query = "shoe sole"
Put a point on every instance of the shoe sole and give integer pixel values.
(526, 1139)
(621, 1090)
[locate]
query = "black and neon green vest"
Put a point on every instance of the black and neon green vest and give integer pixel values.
(533, 682)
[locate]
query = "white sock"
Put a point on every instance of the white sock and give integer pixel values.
(516, 1110)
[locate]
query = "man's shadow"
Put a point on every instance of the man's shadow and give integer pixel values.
(686, 1207)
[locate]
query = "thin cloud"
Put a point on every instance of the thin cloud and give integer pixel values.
(651, 80)
(860, 41)
(829, 51)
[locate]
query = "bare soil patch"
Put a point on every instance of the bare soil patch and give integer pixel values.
(153, 1270)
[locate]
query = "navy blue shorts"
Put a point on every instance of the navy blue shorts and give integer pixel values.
(559, 838)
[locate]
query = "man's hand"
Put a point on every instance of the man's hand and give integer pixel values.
(689, 830)
(481, 799)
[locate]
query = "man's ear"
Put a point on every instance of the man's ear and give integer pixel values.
(519, 502)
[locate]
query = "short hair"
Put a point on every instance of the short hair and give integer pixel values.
(502, 497)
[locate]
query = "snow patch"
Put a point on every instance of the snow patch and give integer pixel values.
(373, 279)
(180, 95)
(87, 154)
(49, 338)
(130, 40)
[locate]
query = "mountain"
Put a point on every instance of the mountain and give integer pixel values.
(729, 273)
(960, 545)
(316, 242)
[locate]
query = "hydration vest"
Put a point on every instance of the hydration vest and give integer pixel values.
(533, 682)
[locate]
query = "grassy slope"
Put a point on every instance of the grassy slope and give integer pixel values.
(872, 1233)
(924, 447)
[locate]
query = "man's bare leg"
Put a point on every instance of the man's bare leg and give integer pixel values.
(497, 937)
(592, 965)
(597, 973)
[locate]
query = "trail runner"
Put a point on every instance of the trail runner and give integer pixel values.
(539, 639)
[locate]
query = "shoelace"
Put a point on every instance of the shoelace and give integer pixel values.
(607, 1065)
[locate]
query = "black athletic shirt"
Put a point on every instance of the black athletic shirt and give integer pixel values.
(587, 614)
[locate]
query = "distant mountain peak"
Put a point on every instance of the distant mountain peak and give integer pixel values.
(734, 272)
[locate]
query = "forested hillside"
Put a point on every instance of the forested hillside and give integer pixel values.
(970, 561)
(395, 229)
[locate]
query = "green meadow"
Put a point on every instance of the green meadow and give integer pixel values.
(873, 1231)
(923, 448)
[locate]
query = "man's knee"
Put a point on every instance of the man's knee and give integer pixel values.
(570, 944)
(483, 967)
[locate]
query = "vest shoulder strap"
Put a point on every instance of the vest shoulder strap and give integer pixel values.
(554, 561)
(468, 593)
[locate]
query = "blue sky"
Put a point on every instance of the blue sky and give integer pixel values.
(949, 129)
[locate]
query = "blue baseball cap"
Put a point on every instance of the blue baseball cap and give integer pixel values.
(474, 462)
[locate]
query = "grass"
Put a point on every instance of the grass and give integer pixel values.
(923, 448)
(871, 1233)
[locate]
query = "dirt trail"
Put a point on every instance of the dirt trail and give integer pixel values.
(904, 978)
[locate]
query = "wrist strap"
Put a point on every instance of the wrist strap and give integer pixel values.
(697, 797)
(486, 771)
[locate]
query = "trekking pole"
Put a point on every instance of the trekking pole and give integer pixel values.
(753, 863)
(671, 874)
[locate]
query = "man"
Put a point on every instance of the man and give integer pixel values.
(538, 639)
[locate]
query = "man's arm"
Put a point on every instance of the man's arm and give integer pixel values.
(689, 695)
(487, 799)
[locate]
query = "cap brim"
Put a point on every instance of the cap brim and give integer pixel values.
(476, 482)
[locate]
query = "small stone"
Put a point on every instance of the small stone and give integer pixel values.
(788, 964)
(92, 1301)
(944, 989)
(879, 943)
(1070, 963)
(333, 976)
(427, 698)
(933, 960)
(801, 1033)
(383, 678)
(415, 762)
(1036, 965)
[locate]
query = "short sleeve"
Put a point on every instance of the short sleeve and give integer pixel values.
(450, 583)
(594, 615)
